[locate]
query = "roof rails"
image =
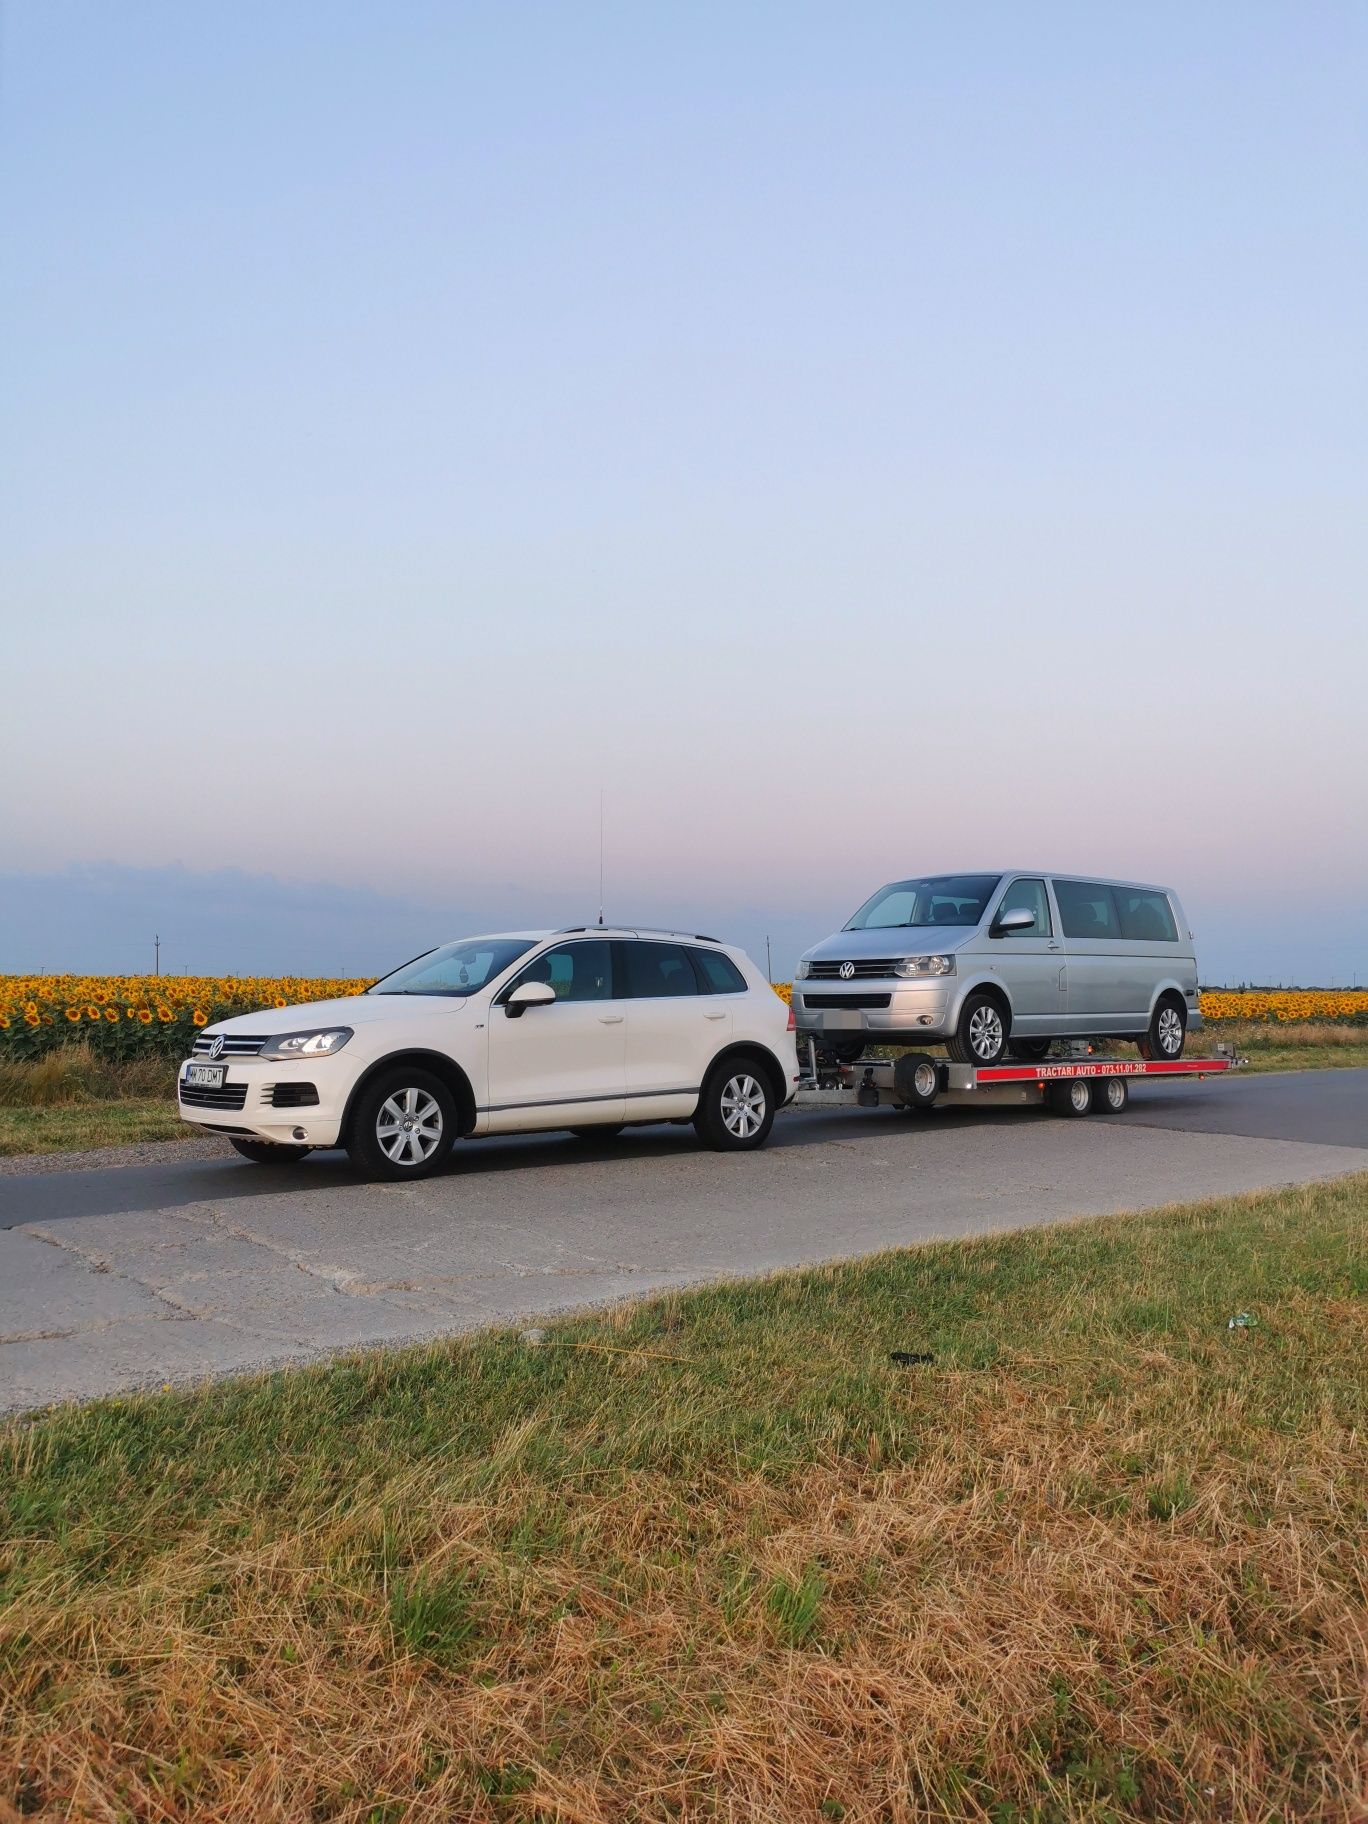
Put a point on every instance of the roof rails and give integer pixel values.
(649, 930)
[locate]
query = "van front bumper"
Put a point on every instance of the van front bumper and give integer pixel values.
(261, 1099)
(908, 1010)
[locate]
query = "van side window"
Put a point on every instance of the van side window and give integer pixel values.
(1146, 918)
(1087, 909)
(1029, 896)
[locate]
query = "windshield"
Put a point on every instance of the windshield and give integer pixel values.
(462, 968)
(942, 899)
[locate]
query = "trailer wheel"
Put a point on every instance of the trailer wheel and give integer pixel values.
(1113, 1093)
(917, 1081)
(1030, 1051)
(1072, 1099)
(981, 1035)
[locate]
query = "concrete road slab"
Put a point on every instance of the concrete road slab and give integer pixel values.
(114, 1279)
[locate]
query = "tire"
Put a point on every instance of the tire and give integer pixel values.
(981, 1035)
(266, 1152)
(1167, 1033)
(736, 1109)
(1073, 1099)
(608, 1131)
(1110, 1095)
(379, 1143)
(917, 1081)
(845, 1051)
(1030, 1051)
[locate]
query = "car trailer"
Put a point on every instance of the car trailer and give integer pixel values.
(1076, 1083)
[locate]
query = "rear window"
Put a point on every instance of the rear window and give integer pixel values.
(1146, 918)
(657, 970)
(1087, 909)
(717, 974)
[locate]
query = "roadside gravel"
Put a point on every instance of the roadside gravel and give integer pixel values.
(145, 1152)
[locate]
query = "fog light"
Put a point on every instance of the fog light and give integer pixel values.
(925, 1019)
(300, 1134)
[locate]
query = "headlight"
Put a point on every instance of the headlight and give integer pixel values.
(318, 1044)
(925, 965)
(802, 972)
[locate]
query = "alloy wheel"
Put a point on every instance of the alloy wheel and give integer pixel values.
(1170, 1031)
(743, 1106)
(409, 1126)
(985, 1032)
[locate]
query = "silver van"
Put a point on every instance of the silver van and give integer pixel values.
(1003, 963)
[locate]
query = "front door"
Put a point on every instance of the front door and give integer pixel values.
(563, 1064)
(1029, 961)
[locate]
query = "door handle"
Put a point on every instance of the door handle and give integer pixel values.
(1056, 946)
(610, 1019)
(714, 1016)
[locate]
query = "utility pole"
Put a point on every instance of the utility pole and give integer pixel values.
(156, 950)
(769, 966)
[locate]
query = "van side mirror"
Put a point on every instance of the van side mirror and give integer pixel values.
(1018, 919)
(528, 994)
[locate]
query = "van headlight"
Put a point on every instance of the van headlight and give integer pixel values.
(319, 1043)
(924, 965)
(802, 972)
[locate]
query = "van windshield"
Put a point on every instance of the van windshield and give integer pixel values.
(941, 899)
(454, 968)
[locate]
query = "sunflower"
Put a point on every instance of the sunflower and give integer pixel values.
(164, 1012)
(73, 1014)
(93, 1013)
(112, 1013)
(145, 1015)
(200, 1017)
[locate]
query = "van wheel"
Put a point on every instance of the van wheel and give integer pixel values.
(1030, 1051)
(1073, 1099)
(266, 1152)
(981, 1036)
(402, 1126)
(1167, 1031)
(736, 1109)
(845, 1051)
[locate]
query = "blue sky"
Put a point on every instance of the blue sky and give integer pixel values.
(858, 440)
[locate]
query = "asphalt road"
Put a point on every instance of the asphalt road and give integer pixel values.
(137, 1275)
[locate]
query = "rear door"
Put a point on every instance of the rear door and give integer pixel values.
(674, 1030)
(563, 1064)
(1107, 987)
(1029, 962)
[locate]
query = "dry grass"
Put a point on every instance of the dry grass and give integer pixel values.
(73, 1099)
(1102, 1560)
(1299, 1045)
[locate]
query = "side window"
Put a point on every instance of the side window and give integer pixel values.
(657, 970)
(717, 974)
(1086, 909)
(1146, 918)
(1029, 896)
(577, 972)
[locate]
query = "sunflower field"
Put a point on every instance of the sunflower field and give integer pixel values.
(136, 1016)
(131, 1016)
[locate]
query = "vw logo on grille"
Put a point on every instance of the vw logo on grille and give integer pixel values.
(216, 1045)
(847, 970)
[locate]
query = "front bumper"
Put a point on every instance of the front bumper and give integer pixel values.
(260, 1100)
(908, 1009)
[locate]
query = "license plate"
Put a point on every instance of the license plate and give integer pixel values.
(841, 1022)
(205, 1076)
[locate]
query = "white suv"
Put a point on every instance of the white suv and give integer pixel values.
(589, 1029)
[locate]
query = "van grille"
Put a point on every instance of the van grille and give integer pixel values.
(834, 1002)
(235, 1045)
(869, 968)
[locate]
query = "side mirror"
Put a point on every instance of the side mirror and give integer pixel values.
(1018, 919)
(528, 994)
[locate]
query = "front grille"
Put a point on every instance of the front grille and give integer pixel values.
(232, 1095)
(291, 1095)
(869, 968)
(833, 1002)
(235, 1045)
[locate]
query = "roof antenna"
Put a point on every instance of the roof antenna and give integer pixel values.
(600, 855)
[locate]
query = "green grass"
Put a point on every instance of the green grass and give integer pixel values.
(75, 1128)
(716, 1556)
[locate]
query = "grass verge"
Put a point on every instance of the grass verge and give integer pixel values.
(717, 1556)
(73, 1099)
